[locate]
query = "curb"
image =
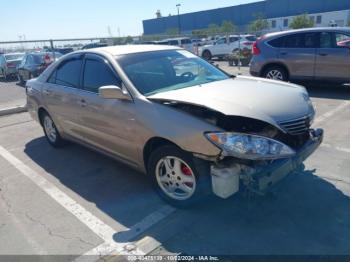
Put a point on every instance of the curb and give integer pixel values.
(13, 110)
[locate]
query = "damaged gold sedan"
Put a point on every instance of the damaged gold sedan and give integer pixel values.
(194, 129)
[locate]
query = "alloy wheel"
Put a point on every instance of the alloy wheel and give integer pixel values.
(50, 129)
(175, 178)
(275, 75)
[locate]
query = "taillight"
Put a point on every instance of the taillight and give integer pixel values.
(255, 48)
(247, 43)
(10, 64)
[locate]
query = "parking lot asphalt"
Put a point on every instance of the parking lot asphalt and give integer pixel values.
(73, 201)
(11, 94)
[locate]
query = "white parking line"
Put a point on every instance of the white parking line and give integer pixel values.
(105, 232)
(329, 114)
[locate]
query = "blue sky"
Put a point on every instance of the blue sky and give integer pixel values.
(38, 19)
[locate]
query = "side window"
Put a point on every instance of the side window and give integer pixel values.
(221, 41)
(326, 40)
(185, 41)
(294, 41)
(97, 74)
(233, 39)
(68, 73)
(342, 40)
(277, 43)
(29, 60)
(174, 42)
(310, 40)
(52, 78)
(23, 62)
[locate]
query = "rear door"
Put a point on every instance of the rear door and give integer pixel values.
(298, 53)
(333, 58)
(60, 95)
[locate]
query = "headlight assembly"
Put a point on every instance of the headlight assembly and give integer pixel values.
(248, 146)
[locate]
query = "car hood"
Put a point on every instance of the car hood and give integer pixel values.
(266, 100)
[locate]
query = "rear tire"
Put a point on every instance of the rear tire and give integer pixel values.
(51, 132)
(179, 178)
(207, 55)
(20, 79)
(276, 73)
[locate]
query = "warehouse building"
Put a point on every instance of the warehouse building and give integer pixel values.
(279, 13)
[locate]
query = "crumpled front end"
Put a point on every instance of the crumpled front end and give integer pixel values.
(260, 176)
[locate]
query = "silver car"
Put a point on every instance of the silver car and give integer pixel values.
(319, 54)
(191, 127)
(9, 63)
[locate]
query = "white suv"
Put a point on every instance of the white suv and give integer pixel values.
(226, 45)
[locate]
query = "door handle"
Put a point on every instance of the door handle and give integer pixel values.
(323, 54)
(82, 103)
(283, 53)
(47, 92)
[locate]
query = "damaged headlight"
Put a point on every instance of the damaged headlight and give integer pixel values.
(248, 146)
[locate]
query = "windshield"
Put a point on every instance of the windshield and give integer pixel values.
(14, 56)
(161, 71)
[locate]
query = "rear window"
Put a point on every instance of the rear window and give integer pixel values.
(251, 38)
(14, 57)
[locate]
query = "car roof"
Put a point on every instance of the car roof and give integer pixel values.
(313, 29)
(13, 54)
(131, 49)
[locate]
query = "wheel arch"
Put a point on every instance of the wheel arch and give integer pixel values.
(41, 112)
(152, 144)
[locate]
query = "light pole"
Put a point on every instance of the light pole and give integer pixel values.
(178, 18)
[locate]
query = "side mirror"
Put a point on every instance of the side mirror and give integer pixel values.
(113, 92)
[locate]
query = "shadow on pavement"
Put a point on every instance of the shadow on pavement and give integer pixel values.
(117, 190)
(330, 91)
(305, 215)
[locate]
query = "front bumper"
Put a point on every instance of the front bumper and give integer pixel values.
(267, 176)
(259, 176)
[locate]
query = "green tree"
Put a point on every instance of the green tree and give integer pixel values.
(301, 21)
(259, 24)
(227, 27)
(128, 40)
(172, 31)
(349, 23)
(213, 29)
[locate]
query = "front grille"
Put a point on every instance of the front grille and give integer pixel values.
(296, 126)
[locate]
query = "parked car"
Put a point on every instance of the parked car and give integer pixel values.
(61, 50)
(9, 63)
(183, 42)
(33, 64)
(94, 45)
(226, 45)
(303, 55)
(170, 114)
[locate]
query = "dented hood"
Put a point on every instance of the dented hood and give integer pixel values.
(265, 100)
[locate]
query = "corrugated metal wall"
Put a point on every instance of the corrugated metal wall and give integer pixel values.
(241, 15)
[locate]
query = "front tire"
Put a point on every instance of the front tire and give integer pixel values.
(177, 177)
(207, 55)
(276, 73)
(51, 132)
